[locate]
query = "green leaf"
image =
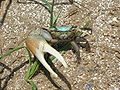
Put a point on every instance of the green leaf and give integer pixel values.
(56, 18)
(34, 87)
(87, 24)
(11, 51)
(32, 69)
(30, 56)
(52, 16)
(48, 4)
(78, 34)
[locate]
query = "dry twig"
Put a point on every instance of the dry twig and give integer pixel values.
(4, 5)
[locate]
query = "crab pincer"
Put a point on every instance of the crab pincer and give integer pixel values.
(37, 44)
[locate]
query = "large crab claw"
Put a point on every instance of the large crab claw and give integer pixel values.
(38, 46)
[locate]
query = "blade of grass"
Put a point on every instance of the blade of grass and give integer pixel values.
(30, 56)
(56, 18)
(32, 69)
(52, 16)
(15, 49)
(87, 24)
(34, 87)
(47, 3)
(11, 51)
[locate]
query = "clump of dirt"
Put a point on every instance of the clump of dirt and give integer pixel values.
(99, 69)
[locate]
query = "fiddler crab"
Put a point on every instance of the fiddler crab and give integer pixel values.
(37, 42)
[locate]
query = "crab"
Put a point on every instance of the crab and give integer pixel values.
(39, 42)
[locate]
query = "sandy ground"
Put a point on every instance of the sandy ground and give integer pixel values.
(98, 70)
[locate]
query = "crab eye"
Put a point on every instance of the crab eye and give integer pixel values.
(46, 35)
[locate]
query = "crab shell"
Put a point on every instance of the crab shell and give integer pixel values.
(62, 33)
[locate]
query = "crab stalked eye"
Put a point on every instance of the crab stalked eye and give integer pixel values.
(46, 35)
